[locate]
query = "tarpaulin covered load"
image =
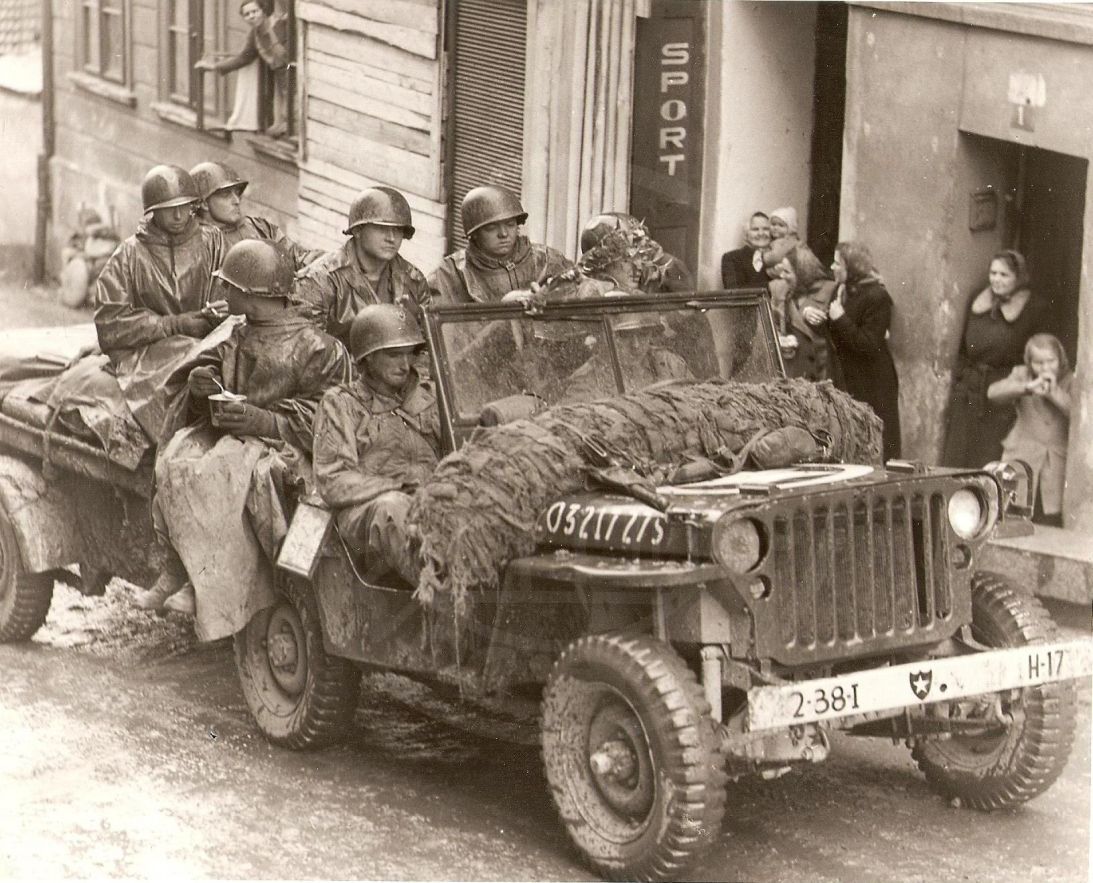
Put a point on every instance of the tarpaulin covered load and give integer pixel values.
(478, 510)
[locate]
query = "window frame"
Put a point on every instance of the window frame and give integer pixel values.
(89, 71)
(189, 108)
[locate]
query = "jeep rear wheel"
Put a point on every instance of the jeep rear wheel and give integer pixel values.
(633, 759)
(24, 597)
(299, 697)
(1004, 764)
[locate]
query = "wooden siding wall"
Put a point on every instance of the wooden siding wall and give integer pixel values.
(372, 115)
(105, 147)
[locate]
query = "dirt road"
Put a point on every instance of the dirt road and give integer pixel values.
(129, 752)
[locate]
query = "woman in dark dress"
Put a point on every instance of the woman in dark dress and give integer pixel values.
(858, 319)
(999, 321)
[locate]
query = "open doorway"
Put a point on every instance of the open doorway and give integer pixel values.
(1046, 225)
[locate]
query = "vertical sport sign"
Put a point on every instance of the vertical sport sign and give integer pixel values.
(666, 144)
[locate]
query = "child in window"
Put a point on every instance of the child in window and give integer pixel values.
(1040, 392)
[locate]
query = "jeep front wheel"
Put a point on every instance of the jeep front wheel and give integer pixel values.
(633, 759)
(299, 697)
(24, 597)
(1003, 763)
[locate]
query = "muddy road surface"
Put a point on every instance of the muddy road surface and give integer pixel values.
(129, 752)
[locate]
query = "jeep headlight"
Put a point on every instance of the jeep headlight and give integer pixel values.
(967, 514)
(737, 543)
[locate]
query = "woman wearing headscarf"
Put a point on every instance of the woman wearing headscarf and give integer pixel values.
(1000, 319)
(802, 333)
(858, 319)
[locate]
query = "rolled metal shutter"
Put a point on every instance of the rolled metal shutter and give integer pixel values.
(487, 108)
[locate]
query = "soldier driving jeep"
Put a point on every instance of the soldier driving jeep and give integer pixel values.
(378, 439)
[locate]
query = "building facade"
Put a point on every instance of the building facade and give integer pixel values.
(967, 131)
(690, 114)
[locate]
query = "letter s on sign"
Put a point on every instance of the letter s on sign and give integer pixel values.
(675, 53)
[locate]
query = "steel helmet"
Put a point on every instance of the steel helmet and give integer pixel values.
(212, 177)
(167, 186)
(258, 266)
(600, 225)
(383, 327)
(381, 205)
(489, 203)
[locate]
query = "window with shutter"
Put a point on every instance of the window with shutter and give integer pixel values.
(486, 141)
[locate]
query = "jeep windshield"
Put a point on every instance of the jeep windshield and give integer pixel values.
(495, 362)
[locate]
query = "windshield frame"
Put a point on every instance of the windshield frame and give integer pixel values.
(453, 432)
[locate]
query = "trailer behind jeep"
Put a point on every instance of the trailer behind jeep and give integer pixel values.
(678, 636)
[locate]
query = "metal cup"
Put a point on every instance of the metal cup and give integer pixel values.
(217, 402)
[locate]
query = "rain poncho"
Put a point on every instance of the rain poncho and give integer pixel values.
(153, 275)
(469, 276)
(220, 499)
(333, 289)
(371, 453)
(256, 227)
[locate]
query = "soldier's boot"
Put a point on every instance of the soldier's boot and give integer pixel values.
(171, 580)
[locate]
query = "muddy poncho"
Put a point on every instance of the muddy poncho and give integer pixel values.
(333, 289)
(257, 227)
(150, 278)
(371, 452)
(469, 276)
(479, 509)
(220, 499)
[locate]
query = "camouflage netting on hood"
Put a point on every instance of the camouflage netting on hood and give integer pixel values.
(478, 511)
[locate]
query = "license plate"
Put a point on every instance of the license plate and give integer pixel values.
(916, 683)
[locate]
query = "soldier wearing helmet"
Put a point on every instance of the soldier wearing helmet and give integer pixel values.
(159, 281)
(277, 366)
(366, 270)
(221, 189)
(657, 270)
(618, 258)
(498, 259)
(377, 440)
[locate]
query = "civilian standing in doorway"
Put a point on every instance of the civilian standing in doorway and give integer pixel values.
(1000, 319)
(859, 319)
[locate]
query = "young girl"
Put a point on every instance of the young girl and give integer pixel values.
(1040, 391)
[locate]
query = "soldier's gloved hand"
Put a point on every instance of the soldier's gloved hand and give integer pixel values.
(193, 324)
(243, 418)
(204, 382)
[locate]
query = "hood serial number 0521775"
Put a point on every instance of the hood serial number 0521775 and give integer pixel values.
(622, 524)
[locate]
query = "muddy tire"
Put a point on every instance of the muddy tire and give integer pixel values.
(1005, 765)
(24, 597)
(633, 759)
(300, 697)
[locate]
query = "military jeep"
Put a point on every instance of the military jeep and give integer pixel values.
(673, 638)
(726, 627)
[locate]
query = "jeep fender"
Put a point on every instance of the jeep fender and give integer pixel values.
(41, 517)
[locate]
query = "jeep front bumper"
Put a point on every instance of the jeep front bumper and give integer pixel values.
(915, 683)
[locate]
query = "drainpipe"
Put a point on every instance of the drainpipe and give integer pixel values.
(45, 200)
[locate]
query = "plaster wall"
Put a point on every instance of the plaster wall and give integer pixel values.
(913, 84)
(21, 142)
(902, 180)
(758, 121)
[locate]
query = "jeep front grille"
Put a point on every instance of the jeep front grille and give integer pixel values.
(872, 572)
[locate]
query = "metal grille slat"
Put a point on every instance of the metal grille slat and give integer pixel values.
(488, 62)
(848, 572)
